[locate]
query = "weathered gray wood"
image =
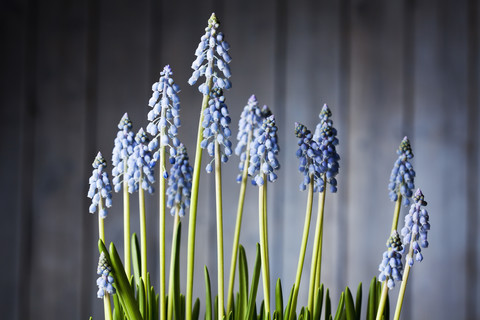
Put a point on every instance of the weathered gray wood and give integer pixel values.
(440, 139)
(58, 177)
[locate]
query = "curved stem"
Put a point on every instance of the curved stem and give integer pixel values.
(316, 263)
(403, 287)
(193, 208)
(238, 225)
(396, 214)
(143, 228)
(171, 276)
(263, 245)
(126, 222)
(383, 300)
(303, 248)
(218, 193)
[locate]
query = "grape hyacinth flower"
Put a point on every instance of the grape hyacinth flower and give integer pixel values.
(165, 114)
(179, 182)
(402, 176)
(123, 148)
(326, 137)
(310, 157)
(100, 189)
(105, 281)
(216, 123)
(391, 266)
(264, 151)
(212, 55)
(416, 228)
(141, 162)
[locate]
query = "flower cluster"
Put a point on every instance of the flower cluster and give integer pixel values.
(402, 176)
(123, 148)
(100, 187)
(179, 182)
(416, 227)
(105, 281)
(326, 137)
(140, 165)
(309, 155)
(212, 54)
(250, 120)
(391, 266)
(264, 151)
(165, 113)
(216, 129)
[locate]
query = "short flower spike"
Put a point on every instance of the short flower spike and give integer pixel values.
(391, 267)
(124, 144)
(179, 182)
(416, 227)
(141, 161)
(212, 58)
(105, 281)
(100, 187)
(402, 176)
(310, 157)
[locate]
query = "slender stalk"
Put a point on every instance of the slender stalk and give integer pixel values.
(265, 232)
(107, 306)
(263, 244)
(171, 276)
(126, 222)
(317, 248)
(193, 208)
(161, 227)
(238, 225)
(143, 228)
(218, 193)
(101, 227)
(396, 214)
(403, 287)
(383, 300)
(303, 248)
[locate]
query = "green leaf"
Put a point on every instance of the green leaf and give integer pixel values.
(328, 306)
(318, 303)
(341, 303)
(251, 308)
(147, 300)
(196, 309)
(142, 299)
(358, 302)
(182, 307)
(208, 296)
(176, 273)
(215, 308)
(242, 300)
(152, 303)
(279, 300)
(136, 262)
(386, 312)
(261, 316)
(289, 303)
(372, 298)
(349, 306)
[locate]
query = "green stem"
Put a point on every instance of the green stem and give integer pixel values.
(161, 226)
(317, 248)
(403, 287)
(193, 207)
(218, 193)
(107, 307)
(238, 225)
(171, 276)
(265, 232)
(383, 300)
(303, 248)
(263, 245)
(396, 214)
(101, 226)
(126, 222)
(143, 228)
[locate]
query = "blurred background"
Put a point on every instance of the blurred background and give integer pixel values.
(71, 69)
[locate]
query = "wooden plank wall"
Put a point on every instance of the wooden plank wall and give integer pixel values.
(387, 69)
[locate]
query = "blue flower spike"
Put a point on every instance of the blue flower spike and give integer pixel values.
(263, 153)
(100, 189)
(391, 267)
(416, 228)
(402, 176)
(216, 127)
(165, 114)
(123, 148)
(326, 137)
(212, 59)
(141, 162)
(310, 158)
(105, 280)
(179, 182)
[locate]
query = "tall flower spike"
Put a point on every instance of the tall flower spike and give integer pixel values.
(402, 176)
(263, 153)
(250, 120)
(391, 266)
(165, 113)
(100, 187)
(416, 227)
(179, 182)
(141, 161)
(215, 125)
(212, 58)
(105, 281)
(310, 157)
(123, 148)
(326, 136)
